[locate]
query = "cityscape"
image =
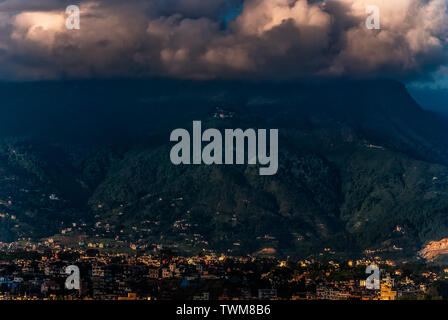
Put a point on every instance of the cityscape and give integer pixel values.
(267, 153)
(40, 274)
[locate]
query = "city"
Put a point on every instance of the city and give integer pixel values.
(159, 274)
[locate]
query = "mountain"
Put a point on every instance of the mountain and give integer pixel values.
(361, 166)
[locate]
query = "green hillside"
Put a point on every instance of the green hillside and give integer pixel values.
(355, 173)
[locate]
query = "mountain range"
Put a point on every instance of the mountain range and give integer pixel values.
(362, 167)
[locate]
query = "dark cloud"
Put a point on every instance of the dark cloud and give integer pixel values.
(186, 38)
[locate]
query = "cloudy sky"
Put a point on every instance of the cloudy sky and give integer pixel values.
(203, 39)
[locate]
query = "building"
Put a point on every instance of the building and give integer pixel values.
(267, 294)
(386, 292)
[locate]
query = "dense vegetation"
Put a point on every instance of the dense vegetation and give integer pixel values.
(361, 165)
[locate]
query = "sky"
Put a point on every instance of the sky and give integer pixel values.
(209, 39)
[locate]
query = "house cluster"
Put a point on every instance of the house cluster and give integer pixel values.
(161, 275)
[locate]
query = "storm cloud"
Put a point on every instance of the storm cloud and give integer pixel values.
(197, 39)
